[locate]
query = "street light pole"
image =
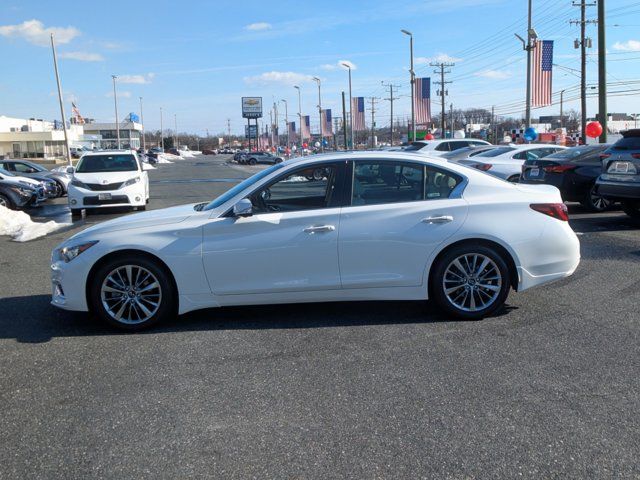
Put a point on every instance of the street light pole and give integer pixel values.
(161, 132)
(64, 122)
(115, 100)
(320, 114)
(413, 82)
(175, 127)
(561, 108)
(144, 130)
(528, 47)
(286, 119)
(299, 115)
(350, 104)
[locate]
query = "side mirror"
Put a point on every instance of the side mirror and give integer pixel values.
(243, 208)
(70, 170)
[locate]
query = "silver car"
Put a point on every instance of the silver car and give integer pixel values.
(30, 169)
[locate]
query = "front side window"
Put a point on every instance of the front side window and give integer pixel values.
(107, 163)
(22, 168)
(308, 188)
(379, 182)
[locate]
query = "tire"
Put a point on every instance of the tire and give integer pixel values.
(514, 179)
(594, 202)
(6, 202)
(112, 293)
(632, 208)
(278, 160)
(252, 161)
(448, 283)
(76, 212)
(141, 208)
(61, 191)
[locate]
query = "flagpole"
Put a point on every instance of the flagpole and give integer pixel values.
(115, 101)
(320, 115)
(64, 121)
(350, 103)
(144, 130)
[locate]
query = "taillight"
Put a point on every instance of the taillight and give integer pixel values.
(636, 155)
(604, 155)
(483, 166)
(558, 168)
(555, 210)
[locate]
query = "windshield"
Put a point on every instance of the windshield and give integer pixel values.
(107, 163)
(241, 186)
(494, 152)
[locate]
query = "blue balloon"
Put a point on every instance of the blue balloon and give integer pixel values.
(530, 134)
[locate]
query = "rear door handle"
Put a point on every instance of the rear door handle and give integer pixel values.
(320, 228)
(438, 219)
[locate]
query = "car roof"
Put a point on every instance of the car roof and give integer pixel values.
(108, 152)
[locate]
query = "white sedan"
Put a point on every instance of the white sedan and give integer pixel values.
(352, 226)
(506, 161)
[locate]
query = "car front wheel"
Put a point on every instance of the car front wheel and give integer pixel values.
(632, 208)
(6, 202)
(132, 293)
(594, 202)
(470, 282)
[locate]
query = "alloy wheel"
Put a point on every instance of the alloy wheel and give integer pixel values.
(3, 202)
(472, 282)
(131, 294)
(598, 202)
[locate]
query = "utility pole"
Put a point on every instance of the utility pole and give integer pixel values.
(443, 91)
(317, 80)
(373, 120)
(64, 122)
(348, 66)
(451, 119)
(561, 108)
(274, 126)
(412, 75)
(144, 130)
(228, 132)
(602, 72)
(115, 101)
(175, 126)
(286, 119)
(344, 123)
(583, 44)
(161, 132)
(391, 99)
(528, 47)
(300, 117)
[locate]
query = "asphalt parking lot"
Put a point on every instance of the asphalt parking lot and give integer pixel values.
(549, 388)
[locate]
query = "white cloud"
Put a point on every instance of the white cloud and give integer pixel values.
(82, 56)
(283, 78)
(347, 62)
(138, 79)
(329, 66)
(439, 58)
(121, 94)
(494, 74)
(34, 31)
(628, 46)
(258, 26)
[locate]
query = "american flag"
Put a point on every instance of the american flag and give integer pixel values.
(327, 127)
(542, 73)
(305, 131)
(423, 100)
(357, 114)
(293, 137)
(76, 114)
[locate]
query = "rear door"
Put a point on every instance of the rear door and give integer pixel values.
(398, 213)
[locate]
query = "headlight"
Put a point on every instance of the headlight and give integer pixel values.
(131, 181)
(77, 183)
(67, 254)
(22, 191)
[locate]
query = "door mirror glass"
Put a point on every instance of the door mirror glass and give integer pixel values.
(243, 208)
(70, 170)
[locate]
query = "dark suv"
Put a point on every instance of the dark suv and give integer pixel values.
(620, 177)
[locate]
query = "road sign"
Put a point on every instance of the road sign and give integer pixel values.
(252, 107)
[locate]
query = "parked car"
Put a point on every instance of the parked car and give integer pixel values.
(14, 195)
(439, 147)
(465, 152)
(45, 188)
(33, 170)
(573, 171)
(262, 157)
(506, 161)
(209, 151)
(108, 179)
(239, 155)
(620, 177)
(77, 152)
(392, 226)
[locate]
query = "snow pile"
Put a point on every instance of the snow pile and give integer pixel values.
(186, 153)
(20, 227)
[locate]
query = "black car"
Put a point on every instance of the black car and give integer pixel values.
(574, 171)
(620, 177)
(14, 195)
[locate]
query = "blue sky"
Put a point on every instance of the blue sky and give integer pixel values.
(197, 58)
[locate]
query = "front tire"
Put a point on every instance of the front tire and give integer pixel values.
(6, 202)
(631, 208)
(132, 293)
(252, 161)
(514, 179)
(594, 202)
(470, 282)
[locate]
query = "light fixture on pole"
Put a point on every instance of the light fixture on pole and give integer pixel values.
(115, 101)
(348, 66)
(317, 80)
(286, 119)
(144, 132)
(413, 81)
(299, 115)
(64, 121)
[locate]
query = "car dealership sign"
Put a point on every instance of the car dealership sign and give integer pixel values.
(252, 107)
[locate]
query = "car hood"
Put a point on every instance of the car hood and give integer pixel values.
(106, 177)
(164, 216)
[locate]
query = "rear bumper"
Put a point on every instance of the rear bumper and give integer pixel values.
(618, 190)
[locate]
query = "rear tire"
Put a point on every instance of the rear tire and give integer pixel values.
(252, 161)
(76, 212)
(514, 179)
(632, 208)
(470, 281)
(594, 202)
(132, 293)
(6, 202)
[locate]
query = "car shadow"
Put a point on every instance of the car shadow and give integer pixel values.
(32, 319)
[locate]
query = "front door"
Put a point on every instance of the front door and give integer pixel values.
(288, 244)
(400, 212)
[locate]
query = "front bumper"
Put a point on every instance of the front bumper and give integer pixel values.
(131, 196)
(68, 282)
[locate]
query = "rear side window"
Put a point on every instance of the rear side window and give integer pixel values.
(457, 145)
(444, 147)
(439, 184)
(627, 143)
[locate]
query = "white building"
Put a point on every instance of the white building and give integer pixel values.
(130, 134)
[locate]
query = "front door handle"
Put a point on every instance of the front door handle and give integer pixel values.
(438, 220)
(320, 228)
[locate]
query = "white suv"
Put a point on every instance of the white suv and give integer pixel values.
(108, 179)
(440, 147)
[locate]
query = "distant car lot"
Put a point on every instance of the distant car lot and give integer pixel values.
(240, 391)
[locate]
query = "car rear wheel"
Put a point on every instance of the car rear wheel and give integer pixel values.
(76, 212)
(252, 161)
(594, 202)
(514, 179)
(632, 208)
(470, 282)
(132, 293)
(6, 202)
